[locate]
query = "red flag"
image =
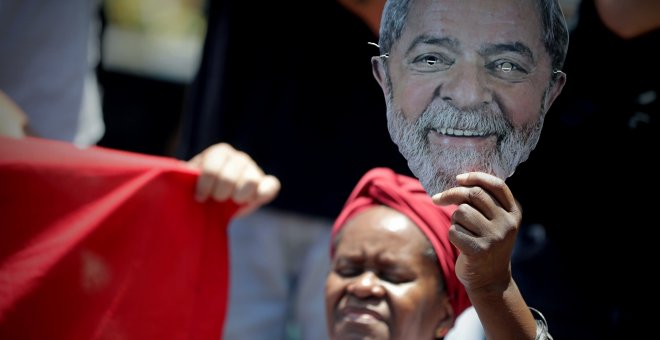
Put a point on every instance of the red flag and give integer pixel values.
(104, 244)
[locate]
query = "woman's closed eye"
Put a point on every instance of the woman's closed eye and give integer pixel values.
(348, 269)
(396, 275)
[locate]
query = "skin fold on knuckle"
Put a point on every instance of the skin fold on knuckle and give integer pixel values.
(223, 190)
(205, 183)
(246, 191)
(509, 225)
(461, 214)
(476, 194)
(468, 244)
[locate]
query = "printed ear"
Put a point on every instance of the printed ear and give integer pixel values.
(378, 69)
(554, 92)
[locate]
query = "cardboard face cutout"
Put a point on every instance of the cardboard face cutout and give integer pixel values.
(468, 83)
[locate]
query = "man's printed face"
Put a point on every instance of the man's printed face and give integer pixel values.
(437, 162)
(467, 88)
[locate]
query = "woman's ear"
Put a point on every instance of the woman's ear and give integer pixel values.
(441, 332)
(446, 322)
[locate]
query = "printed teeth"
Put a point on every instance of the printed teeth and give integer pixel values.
(461, 133)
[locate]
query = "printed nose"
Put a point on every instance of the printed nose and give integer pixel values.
(366, 285)
(466, 87)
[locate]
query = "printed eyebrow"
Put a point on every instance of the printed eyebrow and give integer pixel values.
(425, 39)
(516, 47)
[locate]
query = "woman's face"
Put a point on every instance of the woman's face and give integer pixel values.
(381, 285)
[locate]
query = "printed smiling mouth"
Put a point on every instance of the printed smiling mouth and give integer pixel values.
(454, 132)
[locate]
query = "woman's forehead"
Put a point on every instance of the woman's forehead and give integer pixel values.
(382, 226)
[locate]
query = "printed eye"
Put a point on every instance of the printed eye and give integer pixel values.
(431, 60)
(506, 67)
(431, 63)
(507, 70)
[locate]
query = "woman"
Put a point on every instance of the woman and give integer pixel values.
(392, 274)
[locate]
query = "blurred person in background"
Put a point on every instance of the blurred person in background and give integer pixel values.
(49, 51)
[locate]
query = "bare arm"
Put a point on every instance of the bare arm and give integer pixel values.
(484, 229)
(227, 173)
(13, 120)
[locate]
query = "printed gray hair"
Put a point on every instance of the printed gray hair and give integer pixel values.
(555, 30)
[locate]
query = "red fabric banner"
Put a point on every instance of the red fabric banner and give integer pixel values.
(103, 244)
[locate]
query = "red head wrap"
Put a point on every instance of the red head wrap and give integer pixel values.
(382, 186)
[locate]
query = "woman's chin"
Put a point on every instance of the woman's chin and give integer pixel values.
(361, 327)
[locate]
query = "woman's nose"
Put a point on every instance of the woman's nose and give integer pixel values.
(366, 285)
(466, 86)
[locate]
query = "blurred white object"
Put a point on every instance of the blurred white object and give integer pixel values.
(159, 39)
(156, 56)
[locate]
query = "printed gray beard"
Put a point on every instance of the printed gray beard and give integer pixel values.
(437, 169)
